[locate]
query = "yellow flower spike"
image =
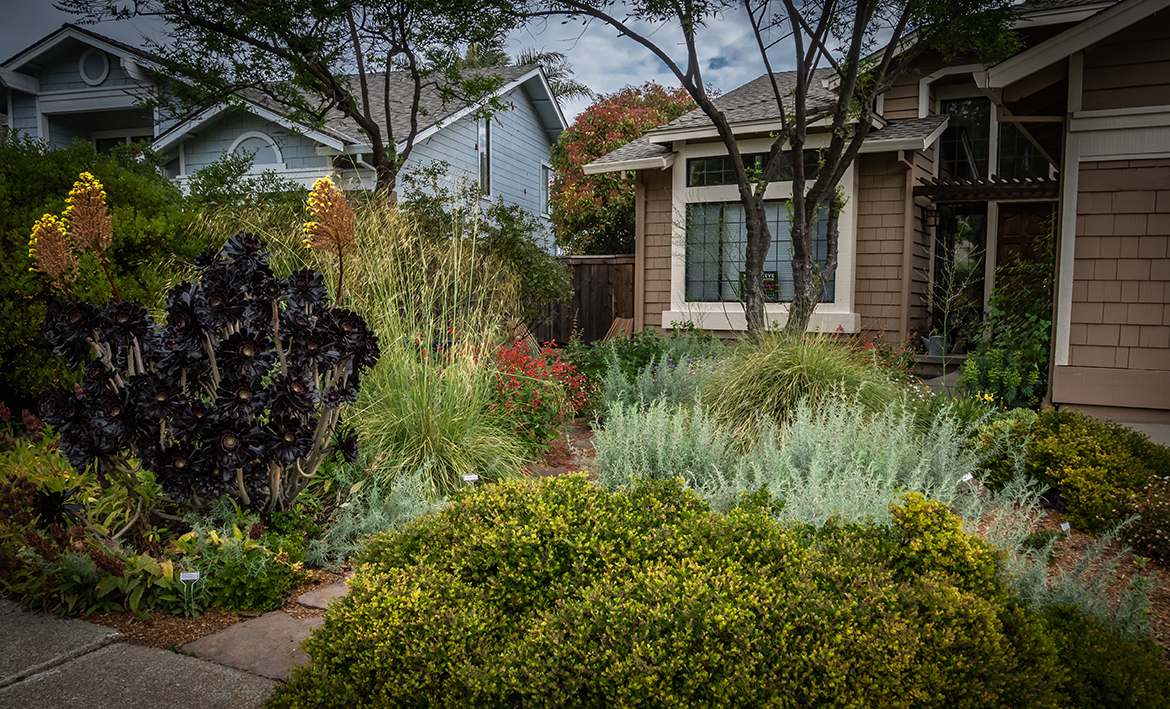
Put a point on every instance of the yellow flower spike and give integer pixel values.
(88, 218)
(49, 248)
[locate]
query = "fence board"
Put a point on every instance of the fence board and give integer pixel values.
(603, 289)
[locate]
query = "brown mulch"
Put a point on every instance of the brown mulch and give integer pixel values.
(170, 632)
(1071, 548)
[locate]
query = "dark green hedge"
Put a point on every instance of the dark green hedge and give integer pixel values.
(559, 594)
(151, 230)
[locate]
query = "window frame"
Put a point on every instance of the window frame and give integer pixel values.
(545, 177)
(828, 317)
(483, 148)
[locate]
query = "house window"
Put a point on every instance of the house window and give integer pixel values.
(719, 169)
(966, 142)
(94, 66)
(1018, 158)
(715, 252)
(483, 144)
(105, 144)
(546, 177)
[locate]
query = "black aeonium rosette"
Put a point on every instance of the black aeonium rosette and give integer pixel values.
(183, 471)
(66, 327)
(315, 347)
(62, 410)
(78, 448)
(247, 354)
(96, 378)
(293, 393)
(220, 301)
(288, 439)
(241, 397)
(233, 444)
(347, 446)
(245, 250)
(155, 398)
(336, 396)
(110, 418)
(305, 288)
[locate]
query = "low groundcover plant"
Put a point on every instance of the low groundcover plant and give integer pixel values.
(557, 593)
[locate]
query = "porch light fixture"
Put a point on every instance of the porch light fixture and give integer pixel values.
(930, 216)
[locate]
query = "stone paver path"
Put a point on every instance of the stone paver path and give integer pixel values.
(269, 645)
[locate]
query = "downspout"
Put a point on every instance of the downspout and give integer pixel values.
(907, 243)
(639, 252)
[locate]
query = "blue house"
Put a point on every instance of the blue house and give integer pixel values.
(77, 84)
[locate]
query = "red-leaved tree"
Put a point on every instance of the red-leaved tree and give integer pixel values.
(594, 214)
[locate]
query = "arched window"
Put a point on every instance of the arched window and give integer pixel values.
(265, 148)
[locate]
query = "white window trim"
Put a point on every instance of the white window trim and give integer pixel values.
(92, 51)
(279, 164)
(545, 195)
(480, 152)
(828, 317)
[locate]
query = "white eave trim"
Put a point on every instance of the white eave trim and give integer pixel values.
(658, 163)
(468, 110)
(1075, 39)
(768, 125)
(70, 33)
(183, 131)
(20, 82)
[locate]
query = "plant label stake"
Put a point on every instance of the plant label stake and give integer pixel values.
(1067, 528)
(967, 478)
(188, 579)
(470, 478)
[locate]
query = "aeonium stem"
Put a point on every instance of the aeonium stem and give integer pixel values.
(102, 262)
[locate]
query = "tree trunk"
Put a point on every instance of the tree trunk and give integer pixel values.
(759, 239)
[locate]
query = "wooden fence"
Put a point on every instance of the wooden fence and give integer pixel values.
(603, 289)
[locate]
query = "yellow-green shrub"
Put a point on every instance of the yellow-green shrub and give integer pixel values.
(556, 593)
(1096, 468)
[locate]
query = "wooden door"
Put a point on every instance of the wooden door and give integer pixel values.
(1020, 224)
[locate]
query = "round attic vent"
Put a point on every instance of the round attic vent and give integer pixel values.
(94, 66)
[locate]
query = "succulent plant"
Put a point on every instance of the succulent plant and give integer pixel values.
(239, 392)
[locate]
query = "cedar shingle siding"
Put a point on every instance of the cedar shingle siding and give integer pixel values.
(658, 235)
(1121, 275)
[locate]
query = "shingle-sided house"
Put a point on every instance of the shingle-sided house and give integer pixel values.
(75, 83)
(1071, 134)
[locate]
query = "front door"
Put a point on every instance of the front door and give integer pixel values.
(1021, 224)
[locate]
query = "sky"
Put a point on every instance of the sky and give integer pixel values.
(601, 60)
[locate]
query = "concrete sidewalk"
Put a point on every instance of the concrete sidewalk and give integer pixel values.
(47, 662)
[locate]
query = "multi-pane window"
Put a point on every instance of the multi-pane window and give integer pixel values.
(716, 252)
(1018, 157)
(965, 143)
(719, 170)
(483, 145)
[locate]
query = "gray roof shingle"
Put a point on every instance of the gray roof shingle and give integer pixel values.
(433, 108)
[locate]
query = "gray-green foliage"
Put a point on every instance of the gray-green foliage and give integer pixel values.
(372, 508)
(672, 378)
(1086, 585)
(831, 460)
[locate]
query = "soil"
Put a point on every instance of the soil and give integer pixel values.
(171, 632)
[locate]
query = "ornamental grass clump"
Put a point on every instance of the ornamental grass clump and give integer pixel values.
(437, 306)
(240, 393)
(770, 378)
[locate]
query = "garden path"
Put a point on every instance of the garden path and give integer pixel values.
(570, 452)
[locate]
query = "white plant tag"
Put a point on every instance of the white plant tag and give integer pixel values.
(968, 478)
(188, 576)
(470, 478)
(1066, 527)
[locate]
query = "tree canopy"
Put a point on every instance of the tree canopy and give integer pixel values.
(866, 44)
(309, 58)
(594, 214)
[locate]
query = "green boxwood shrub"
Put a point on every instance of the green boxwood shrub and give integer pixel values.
(1097, 469)
(556, 593)
(1103, 670)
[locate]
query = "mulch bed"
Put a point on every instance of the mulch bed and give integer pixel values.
(171, 632)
